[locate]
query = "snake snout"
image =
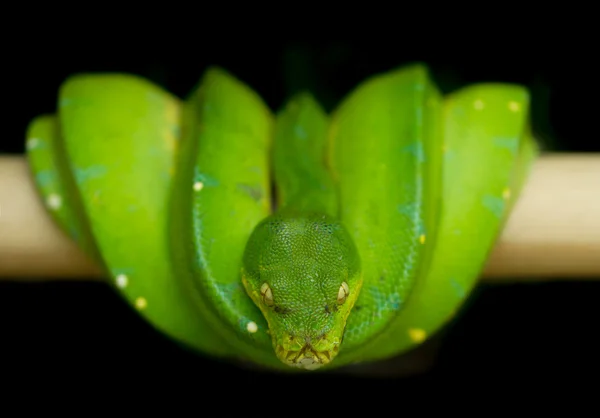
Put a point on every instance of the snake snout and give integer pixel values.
(309, 363)
(306, 358)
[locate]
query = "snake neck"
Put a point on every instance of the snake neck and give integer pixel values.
(308, 203)
(303, 183)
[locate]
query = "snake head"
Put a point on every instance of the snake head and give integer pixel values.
(303, 273)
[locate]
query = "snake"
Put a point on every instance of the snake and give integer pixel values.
(297, 239)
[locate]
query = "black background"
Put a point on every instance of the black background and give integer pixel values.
(84, 333)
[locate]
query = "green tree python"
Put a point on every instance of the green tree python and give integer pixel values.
(297, 240)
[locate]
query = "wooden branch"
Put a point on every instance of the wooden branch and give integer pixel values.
(553, 232)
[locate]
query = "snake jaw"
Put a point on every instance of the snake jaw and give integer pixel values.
(308, 356)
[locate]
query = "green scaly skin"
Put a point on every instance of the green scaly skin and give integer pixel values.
(385, 210)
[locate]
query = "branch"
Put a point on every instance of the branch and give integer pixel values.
(553, 231)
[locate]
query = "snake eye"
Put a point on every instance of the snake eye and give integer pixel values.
(267, 294)
(343, 293)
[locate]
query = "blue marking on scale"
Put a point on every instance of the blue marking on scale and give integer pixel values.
(300, 132)
(509, 143)
(416, 149)
(207, 181)
(175, 130)
(494, 204)
(384, 302)
(458, 288)
(45, 178)
(92, 172)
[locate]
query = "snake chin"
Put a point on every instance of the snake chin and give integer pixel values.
(307, 357)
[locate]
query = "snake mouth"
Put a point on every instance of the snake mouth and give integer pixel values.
(306, 358)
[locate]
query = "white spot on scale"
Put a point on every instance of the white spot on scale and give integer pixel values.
(478, 104)
(514, 106)
(417, 335)
(141, 303)
(198, 186)
(32, 143)
(121, 280)
(252, 327)
(54, 201)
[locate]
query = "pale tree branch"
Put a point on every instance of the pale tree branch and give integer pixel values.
(553, 231)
